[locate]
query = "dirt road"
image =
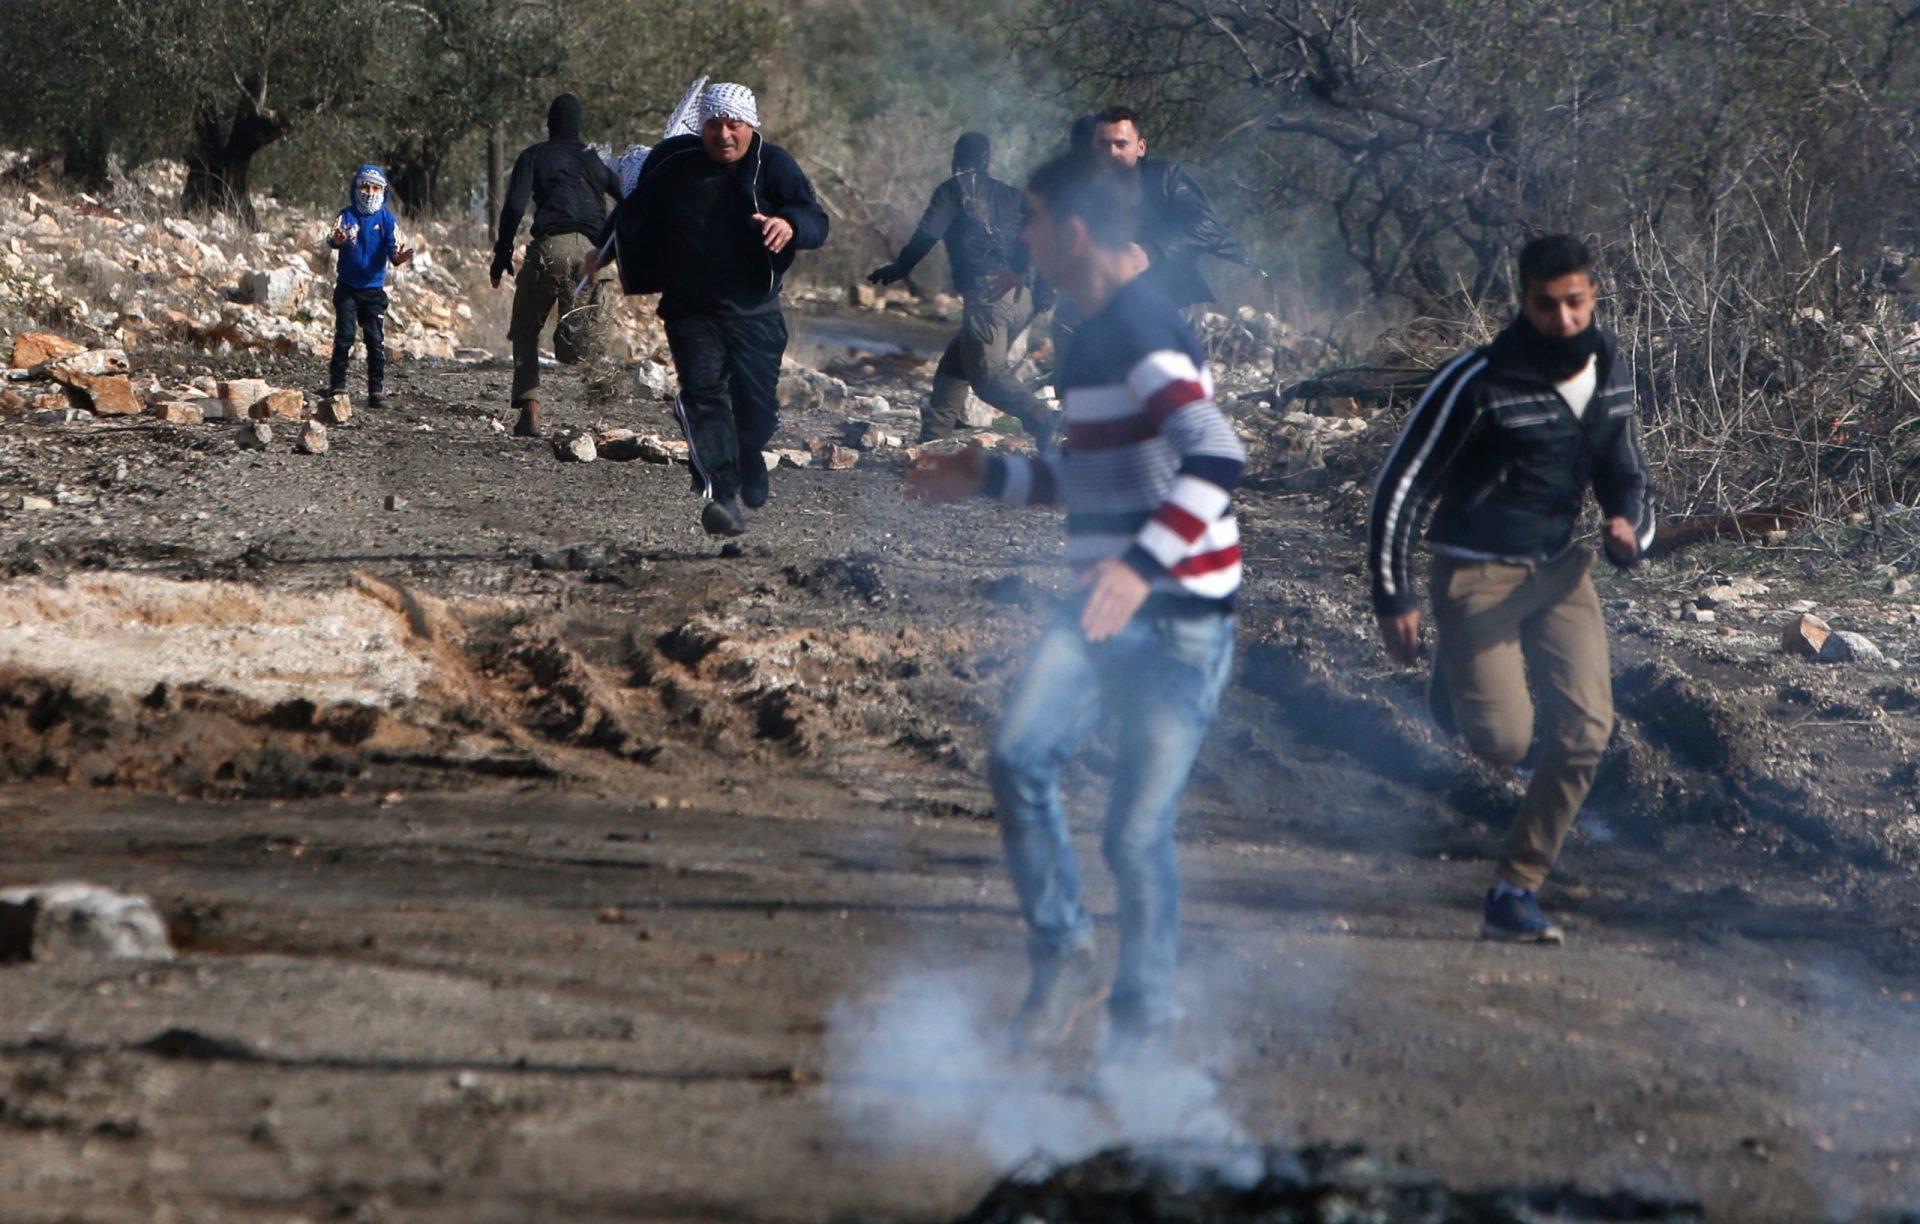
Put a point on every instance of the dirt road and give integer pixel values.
(674, 892)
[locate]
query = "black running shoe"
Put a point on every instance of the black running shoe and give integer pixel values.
(723, 518)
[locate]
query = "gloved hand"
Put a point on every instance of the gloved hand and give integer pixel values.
(885, 274)
(502, 263)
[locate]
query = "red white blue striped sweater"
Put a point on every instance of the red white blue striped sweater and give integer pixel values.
(1150, 462)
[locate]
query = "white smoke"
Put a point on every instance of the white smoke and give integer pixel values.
(928, 1068)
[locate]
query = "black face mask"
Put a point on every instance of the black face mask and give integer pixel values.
(1554, 357)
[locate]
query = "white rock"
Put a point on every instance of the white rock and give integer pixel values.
(254, 435)
(573, 446)
(1842, 646)
(278, 290)
(74, 921)
(654, 380)
(313, 439)
(978, 413)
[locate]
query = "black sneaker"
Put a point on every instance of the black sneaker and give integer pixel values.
(754, 483)
(379, 401)
(1515, 917)
(1063, 990)
(723, 518)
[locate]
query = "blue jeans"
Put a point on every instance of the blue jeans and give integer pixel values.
(1159, 681)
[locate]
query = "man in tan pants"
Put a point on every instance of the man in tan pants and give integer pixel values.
(568, 186)
(1503, 446)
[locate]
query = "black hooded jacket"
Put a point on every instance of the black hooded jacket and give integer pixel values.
(980, 219)
(1177, 226)
(687, 231)
(1494, 441)
(565, 179)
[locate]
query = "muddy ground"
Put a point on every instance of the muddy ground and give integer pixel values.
(668, 887)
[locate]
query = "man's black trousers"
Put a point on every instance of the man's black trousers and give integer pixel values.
(729, 405)
(368, 308)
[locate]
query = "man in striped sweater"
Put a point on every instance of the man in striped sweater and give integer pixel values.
(1145, 476)
(1507, 439)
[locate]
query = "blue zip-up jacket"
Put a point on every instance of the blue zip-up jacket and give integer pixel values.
(367, 252)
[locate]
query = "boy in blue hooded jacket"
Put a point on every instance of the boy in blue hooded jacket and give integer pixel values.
(367, 236)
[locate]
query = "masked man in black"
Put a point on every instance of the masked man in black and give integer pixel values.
(979, 218)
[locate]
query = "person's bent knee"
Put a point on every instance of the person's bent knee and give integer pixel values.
(1505, 746)
(1584, 738)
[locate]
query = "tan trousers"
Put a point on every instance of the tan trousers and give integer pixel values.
(547, 281)
(979, 356)
(1503, 629)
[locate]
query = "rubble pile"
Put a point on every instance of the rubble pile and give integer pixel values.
(128, 272)
(51, 379)
(1278, 1186)
(1255, 349)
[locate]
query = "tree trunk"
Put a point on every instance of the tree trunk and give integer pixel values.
(222, 157)
(416, 184)
(496, 174)
(84, 164)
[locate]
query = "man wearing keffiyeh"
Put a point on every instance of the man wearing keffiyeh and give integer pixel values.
(711, 226)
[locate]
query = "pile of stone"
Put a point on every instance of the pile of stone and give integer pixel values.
(1254, 348)
(127, 271)
(52, 379)
(618, 446)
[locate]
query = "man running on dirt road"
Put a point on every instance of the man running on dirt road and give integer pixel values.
(1507, 438)
(979, 218)
(712, 225)
(565, 179)
(1146, 478)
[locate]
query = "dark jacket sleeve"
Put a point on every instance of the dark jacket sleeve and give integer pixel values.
(518, 192)
(1438, 427)
(790, 197)
(609, 181)
(1623, 484)
(1194, 228)
(934, 223)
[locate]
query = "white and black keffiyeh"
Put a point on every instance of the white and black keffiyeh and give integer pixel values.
(729, 101)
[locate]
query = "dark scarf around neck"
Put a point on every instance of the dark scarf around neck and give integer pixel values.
(1555, 358)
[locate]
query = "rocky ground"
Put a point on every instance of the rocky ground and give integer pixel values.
(530, 855)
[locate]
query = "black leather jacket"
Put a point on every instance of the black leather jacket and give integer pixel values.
(1177, 226)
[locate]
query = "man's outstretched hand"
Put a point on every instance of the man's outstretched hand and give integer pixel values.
(948, 477)
(885, 274)
(1115, 591)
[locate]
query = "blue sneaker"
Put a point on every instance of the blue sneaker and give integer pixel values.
(1516, 918)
